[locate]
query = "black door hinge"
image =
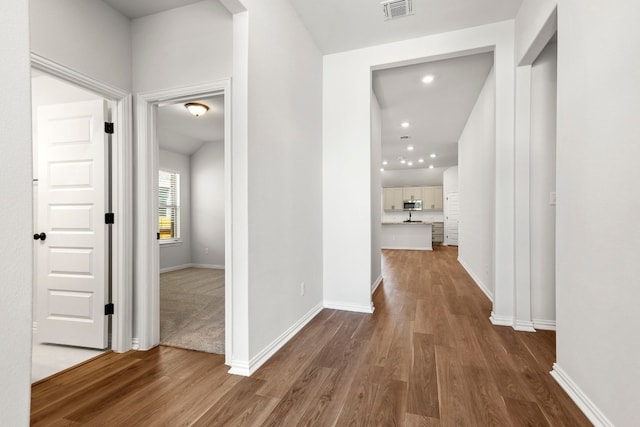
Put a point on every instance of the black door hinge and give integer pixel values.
(157, 236)
(108, 309)
(108, 128)
(109, 218)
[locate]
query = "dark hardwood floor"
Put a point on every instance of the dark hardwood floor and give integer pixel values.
(428, 356)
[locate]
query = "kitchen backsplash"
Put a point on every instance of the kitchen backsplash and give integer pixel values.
(399, 216)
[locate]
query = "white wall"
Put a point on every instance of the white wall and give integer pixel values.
(285, 172)
(376, 190)
(346, 154)
(207, 205)
(85, 35)
(178, 254)
(15, 214)
(534, 17)
(598, 232)
(476, 188)
(421, 177)
(450, 180)
(182, 46)
(543, 182)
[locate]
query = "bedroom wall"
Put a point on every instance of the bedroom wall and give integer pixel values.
(207, 212)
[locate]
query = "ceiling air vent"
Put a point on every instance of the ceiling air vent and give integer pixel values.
(397, 8)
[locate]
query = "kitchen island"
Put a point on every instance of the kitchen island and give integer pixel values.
(415, 235)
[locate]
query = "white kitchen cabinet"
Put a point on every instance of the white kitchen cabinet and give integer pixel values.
(432, 198)
(412, 193)
(392, 199)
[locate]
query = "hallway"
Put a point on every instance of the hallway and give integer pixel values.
(428, 356)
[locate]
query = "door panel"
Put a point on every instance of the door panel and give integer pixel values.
(71, 270)
(451, 220)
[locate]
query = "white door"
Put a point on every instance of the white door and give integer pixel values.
(451, 219)
(72, 259)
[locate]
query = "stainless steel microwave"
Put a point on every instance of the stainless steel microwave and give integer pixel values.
(412, 205)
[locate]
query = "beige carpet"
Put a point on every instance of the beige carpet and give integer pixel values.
(192, 309)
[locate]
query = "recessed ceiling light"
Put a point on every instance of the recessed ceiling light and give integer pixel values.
(433, 156)
(410, 148)
(410, 163)
(405, 124)
(430, 166)
(384, 162)
(427, 79)
(381, 169)
(403, 161)
(421, 160)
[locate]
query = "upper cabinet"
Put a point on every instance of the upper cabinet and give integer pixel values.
(412, 193)
(393, 197)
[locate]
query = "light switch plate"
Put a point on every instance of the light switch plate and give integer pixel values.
(552, 198)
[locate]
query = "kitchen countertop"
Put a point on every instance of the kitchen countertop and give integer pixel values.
(408, 223)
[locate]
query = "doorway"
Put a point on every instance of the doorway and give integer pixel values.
(71, 193)
(148, 251)
(191, 208)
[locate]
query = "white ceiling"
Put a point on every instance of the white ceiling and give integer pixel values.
(139, 8)
(181, 132)
(339, 25)
(437, 112)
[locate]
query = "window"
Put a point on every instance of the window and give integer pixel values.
(169, 206)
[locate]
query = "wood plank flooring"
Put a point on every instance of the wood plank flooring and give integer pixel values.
(428, 356)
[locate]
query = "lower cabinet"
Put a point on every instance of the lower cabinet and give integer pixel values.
(437, 232)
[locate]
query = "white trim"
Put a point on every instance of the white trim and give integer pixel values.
(247, 369)
(501, 320)
(135, 344)
(402, 248)
(585, 404)
(211, 266)
(475, 278)
(376, 284)
(34, 327)
(523, 326)
(122, 244)
(335, 305)
(547, 325)
(185, 266)
(175, 268)
(147, 253)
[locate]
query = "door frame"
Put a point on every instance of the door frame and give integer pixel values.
(147, 248)
(122, 266)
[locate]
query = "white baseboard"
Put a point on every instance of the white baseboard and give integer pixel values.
(547, 325)
(501, 320)
(523, 326)
(246, 369)
(475, 278)
(580, 398)
(183, 266)
(174, 268)
(135, 344)
(349, 307)
(375, 284)
(212, 266)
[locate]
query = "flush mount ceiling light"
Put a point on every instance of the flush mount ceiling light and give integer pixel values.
(404, 124)
(196, 108)
(427, 79)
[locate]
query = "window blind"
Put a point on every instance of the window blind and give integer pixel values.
(169, 205)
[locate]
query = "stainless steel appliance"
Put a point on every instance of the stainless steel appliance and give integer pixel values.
(412, 205)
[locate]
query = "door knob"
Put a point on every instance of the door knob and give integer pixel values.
(41, 236)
